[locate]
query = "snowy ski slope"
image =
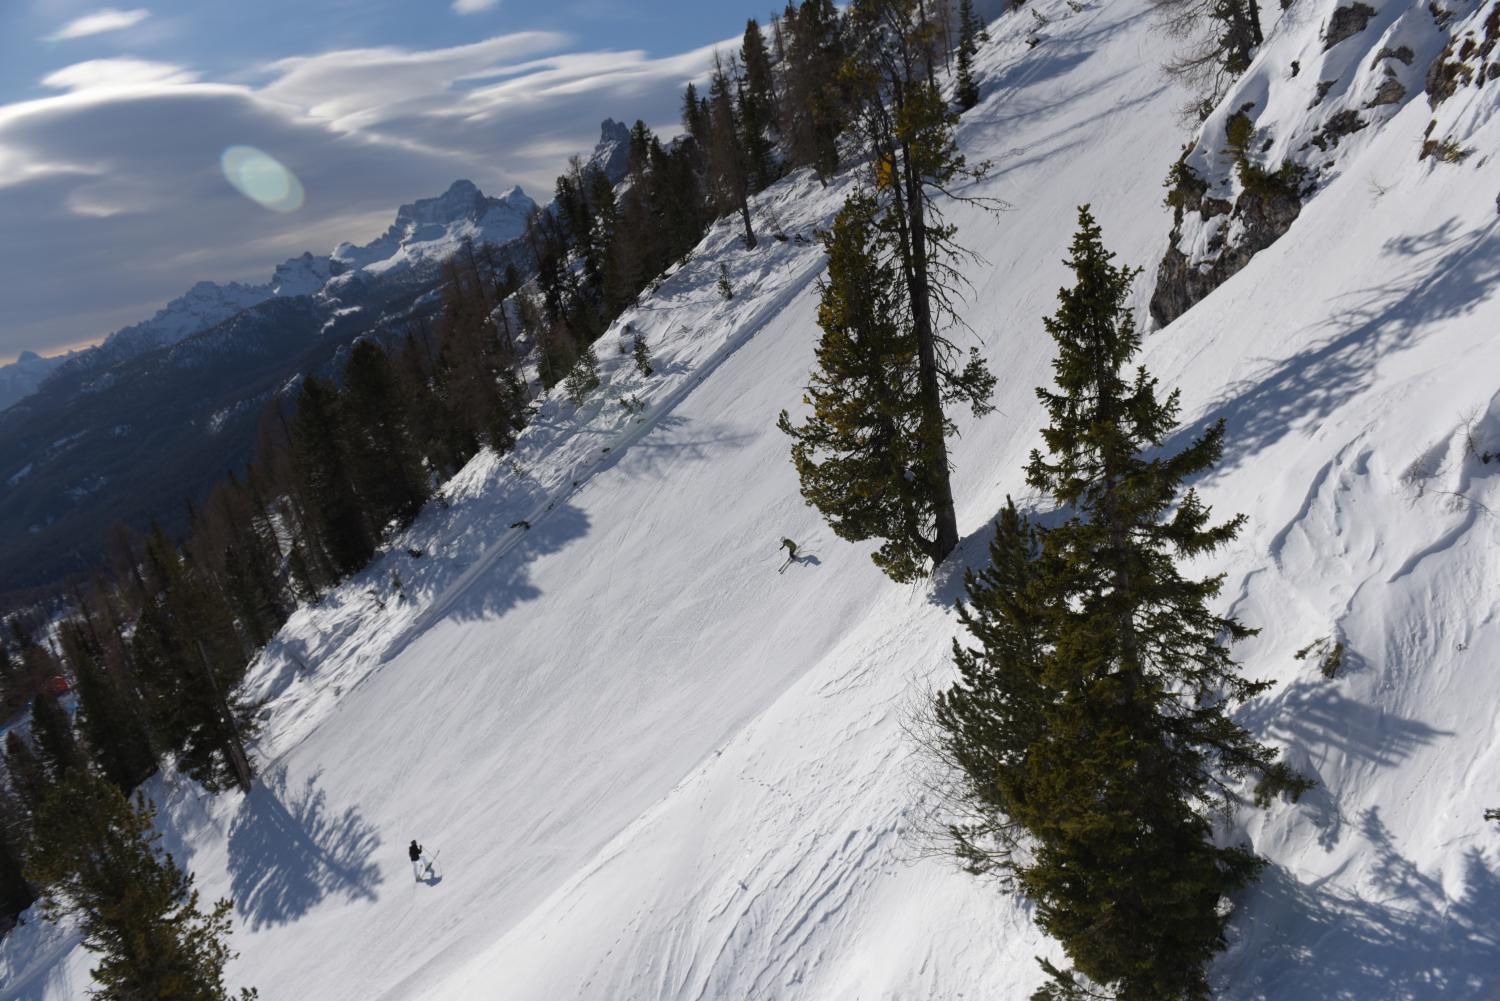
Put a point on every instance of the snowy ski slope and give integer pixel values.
(655, 769)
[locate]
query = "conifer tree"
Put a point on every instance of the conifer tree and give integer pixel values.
(966, 90)
(641, 355)
(583, 378)
(757, 100)
(27, 777)
(11, 696)
(117, 738)
(16, 892)
(97, 856)
(861, 456)
(726, 153)
(1102, 690)
(383, 460)
(910, 132)
(317, 452)
(694, 116)
(191, 663)
(814, 112)
(52, 731)
(990, 719)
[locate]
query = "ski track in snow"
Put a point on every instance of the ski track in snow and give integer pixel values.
(658, 770)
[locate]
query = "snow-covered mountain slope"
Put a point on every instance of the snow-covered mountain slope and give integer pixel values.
(117, 433)
(21, 377)
(1331, 74)
(653, 768)
(207, 304)
(431, 229)
(423, 232)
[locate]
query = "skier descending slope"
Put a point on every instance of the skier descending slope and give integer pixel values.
(791, 554)
(414, 850)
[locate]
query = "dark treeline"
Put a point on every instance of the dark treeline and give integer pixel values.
(156, 649)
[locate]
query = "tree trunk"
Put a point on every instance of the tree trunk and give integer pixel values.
(932, 399)
(745, 215)
(233, 748)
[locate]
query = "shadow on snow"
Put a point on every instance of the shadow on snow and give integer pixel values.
(288, 851)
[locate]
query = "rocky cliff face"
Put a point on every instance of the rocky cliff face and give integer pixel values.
(1329, 76)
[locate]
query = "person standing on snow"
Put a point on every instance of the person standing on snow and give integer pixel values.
(791, 553)
(415, 851)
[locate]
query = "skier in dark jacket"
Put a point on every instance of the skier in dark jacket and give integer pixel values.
(415, 851)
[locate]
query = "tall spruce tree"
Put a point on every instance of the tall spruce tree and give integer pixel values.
(910, 132)
(965, 89)
(191, 662)
(97, 856)
(56, 742)
(16, 892)
(728, 163)
(861, 456)
(384, 463)
(757, 100)
(1106, 733)
(322, 470)
(109, 716)
(26, 775)
(814, 110)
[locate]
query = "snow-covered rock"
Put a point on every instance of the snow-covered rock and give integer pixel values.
(21, 377)
(612, 153)
(1330, 74)
(431, 229)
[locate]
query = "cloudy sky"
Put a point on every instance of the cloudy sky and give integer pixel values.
(113, 122)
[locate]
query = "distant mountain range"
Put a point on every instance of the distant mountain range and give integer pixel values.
(130, 429)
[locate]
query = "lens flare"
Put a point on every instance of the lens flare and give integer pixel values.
(260, 177)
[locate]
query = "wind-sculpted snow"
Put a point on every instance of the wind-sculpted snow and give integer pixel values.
(656, 769)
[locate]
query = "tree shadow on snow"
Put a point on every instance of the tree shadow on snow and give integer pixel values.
(674, 440)
(288, 851)
(1403, 937)
(1318, 718)
(1451, 276)
(498, 580)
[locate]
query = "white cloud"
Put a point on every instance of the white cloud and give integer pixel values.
(117, 173)
(473, 6)
(100, 74)
(99, 22)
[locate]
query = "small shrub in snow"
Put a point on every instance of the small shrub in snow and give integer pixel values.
(583, 377)
(642, 357)
(1329, 653)
(726, 290)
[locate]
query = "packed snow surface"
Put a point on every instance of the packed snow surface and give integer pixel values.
(653, 768)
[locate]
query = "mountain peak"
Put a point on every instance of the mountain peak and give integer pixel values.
(432, 228)
(612, 152)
